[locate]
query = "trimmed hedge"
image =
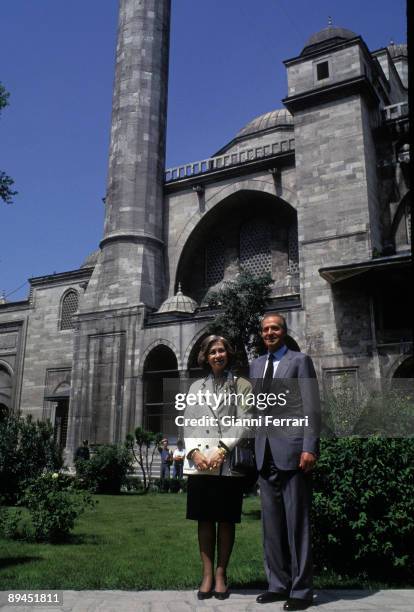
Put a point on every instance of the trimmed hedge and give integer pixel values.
(363, 507)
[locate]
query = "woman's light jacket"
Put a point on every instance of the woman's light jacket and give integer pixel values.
(206, 438)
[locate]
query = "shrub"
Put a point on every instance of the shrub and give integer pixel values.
(54, 506)
(364, 506)
(159, 485)
(106, 470)
(27, 448)
(133, 484)
(10, 519)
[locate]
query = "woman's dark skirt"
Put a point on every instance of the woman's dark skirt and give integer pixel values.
(215, 498)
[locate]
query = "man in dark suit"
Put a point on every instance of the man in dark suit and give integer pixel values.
(285, 457)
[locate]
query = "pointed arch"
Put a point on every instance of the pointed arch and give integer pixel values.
(404, 362)
(248, 228)
(154, 344)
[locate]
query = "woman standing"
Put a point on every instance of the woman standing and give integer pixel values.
(214, 493)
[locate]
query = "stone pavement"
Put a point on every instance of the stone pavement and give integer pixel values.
(393, 600)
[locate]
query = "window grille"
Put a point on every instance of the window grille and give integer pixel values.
(69, 306)
(255, 249)
(293, 249)
(214, 262)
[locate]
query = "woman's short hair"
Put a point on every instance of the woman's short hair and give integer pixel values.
(202, 358)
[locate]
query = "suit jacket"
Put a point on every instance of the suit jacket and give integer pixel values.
(296, 375)
(207, 438)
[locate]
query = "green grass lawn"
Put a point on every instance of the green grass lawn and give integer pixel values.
(136, 542)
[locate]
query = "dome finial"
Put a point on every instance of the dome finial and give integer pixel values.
(392, 42)
(330, 23)
(179, 288)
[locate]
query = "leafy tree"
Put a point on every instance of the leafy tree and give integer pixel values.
(241, 303)
(140, 446)
(6, 182)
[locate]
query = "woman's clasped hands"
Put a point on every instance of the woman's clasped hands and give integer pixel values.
(211, 463)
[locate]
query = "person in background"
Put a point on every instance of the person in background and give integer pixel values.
(178, 458)
(166, 459)
(83, 452)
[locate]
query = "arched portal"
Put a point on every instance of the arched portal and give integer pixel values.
(159, 412)
(252, 229)
(6, 386)
(61, 422)
(405, 369)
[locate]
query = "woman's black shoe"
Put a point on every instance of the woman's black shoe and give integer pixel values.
(222, 596)
(205, 594)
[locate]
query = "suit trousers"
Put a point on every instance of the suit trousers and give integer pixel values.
(286, 503)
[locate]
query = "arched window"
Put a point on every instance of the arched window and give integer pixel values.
(69, 306)
(255, 249)
(159, 413)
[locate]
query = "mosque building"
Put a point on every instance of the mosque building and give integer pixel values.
(316, 192)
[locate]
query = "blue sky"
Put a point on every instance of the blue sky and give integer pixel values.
(57, 61)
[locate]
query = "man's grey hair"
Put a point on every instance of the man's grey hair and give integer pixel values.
(267, 315)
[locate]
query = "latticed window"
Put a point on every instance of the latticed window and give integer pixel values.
(255, 247)
(293, 249)
(214, 262)
(69, 306)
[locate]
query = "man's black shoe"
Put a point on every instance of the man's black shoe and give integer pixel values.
(297, 604)
(269, 596)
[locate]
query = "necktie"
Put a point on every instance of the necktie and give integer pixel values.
(268, 377)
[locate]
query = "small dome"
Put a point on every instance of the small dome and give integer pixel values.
(396, 50)
(327, 36)
(91, 260)
(178, 303)
(276, 118)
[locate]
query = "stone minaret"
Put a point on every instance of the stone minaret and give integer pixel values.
(128, 277)
(130, 265)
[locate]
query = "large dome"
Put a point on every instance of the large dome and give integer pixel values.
(91, 260)
(326, 37)
(273, 119)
